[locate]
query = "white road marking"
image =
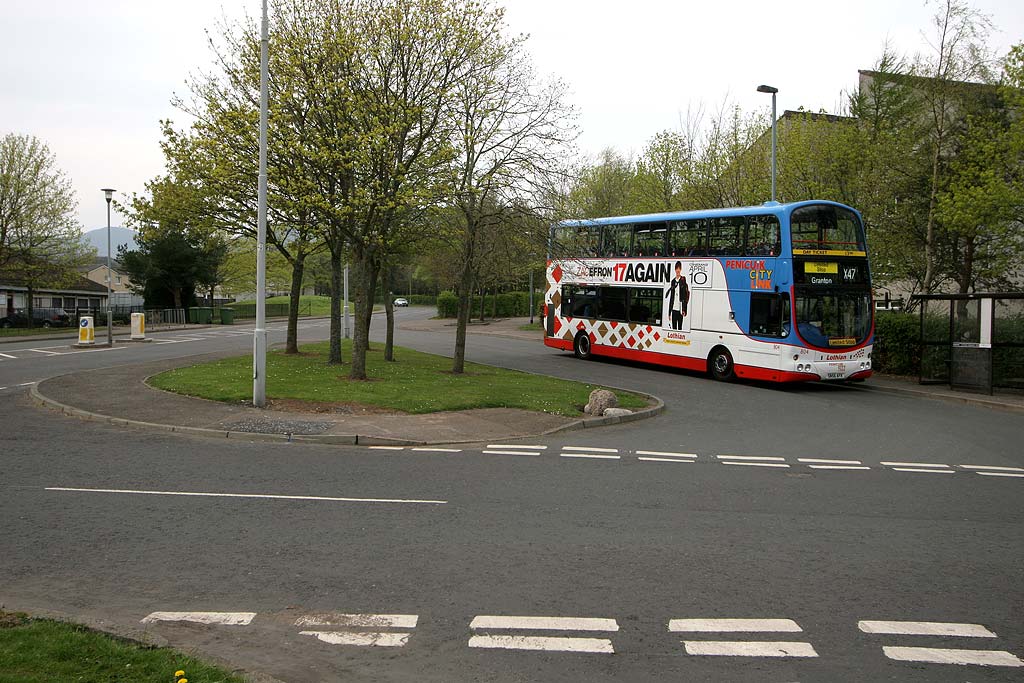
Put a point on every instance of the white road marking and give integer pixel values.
(590, 448)
(545, 623)
(7, 355)
(548, 643)
(999, 474)
(359, 620)
(25, 384)
(387, 448)
(49, 353)
(368, 639)
(739, 648)
(664, 459)
(754, 464)
(222, 618)
(594, 456)
(839, 467)
(913, 464)
(251, 495)
(925, 628)
(511, 453)
(733, 626)
(439, 450)
(764, 458)
(933, 655)
(924, 471)
(668, 453)
(512, 446)
(991, 467)
(823, 461)
(2, 388)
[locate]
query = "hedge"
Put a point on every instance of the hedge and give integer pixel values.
(509, 305)
(897, 349)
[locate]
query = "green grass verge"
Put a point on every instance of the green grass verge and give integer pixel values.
(416, 383)
(46, 651)
(25, 332)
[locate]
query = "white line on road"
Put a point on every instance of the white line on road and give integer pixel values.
(511, 453)
(764, 458)
(933, 655)
(7, 355)
(593, 456)
(999, 474)
(739, 648)
(823, 461)
(222, 618)
(733, 626)
(251, 495)
(913, 464)
(387, 448)
(368, 639)
(991, 467)
(590, 448)
(665, 459)
(548, 643)
(925, 628)
(512, 446)
(25, 384)
(545, 623)
(839, 467)
(360, 620)
(922, 470)
(754, 464)
(48, 353)
(668, 453)
(439, 450)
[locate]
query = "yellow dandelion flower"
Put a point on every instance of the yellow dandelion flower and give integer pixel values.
(178, 673)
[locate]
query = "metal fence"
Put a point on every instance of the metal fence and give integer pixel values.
(16, 321)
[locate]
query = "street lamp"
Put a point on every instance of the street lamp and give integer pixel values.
(773, 91)
(109, 192)
(259, 345)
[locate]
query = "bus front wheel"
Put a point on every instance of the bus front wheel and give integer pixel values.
(581, 345)
(721, 365)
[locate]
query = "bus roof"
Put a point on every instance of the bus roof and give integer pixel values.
(768, 208)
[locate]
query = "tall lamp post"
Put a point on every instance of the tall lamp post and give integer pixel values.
(109, 192)
(773, 91)
(259, 346)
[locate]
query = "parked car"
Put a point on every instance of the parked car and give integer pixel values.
(41, 317)
(401, 302)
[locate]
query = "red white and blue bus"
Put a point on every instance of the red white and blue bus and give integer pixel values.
(779, 292)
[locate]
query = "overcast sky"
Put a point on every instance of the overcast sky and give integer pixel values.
(93, 78)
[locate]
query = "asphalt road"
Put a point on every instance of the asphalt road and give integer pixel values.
(634, 555)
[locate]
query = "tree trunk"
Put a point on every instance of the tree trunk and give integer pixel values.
(176, 293)
(334, 345)
(389, 312)
(366, 282)
(30, 309)
(929, 237)
(298, 268)
(464, 291)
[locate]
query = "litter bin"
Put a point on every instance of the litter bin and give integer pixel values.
(200, 315)
(227, 316)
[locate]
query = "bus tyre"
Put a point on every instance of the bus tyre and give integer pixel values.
(720, 364)
(581, 345)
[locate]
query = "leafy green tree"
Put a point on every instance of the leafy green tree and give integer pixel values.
(41, 243)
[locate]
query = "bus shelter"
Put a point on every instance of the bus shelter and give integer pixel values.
(972, 342)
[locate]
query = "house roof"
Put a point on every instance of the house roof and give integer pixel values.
(77, 285)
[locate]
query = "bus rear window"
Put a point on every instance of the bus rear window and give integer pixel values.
(826, 228)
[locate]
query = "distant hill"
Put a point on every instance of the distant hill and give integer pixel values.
(118, 236)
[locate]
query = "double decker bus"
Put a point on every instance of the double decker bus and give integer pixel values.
(778, 292)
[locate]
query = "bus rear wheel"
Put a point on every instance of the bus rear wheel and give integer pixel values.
(581, 345)
(720, 364)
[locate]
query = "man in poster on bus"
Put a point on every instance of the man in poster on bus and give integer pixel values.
(678, 297)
